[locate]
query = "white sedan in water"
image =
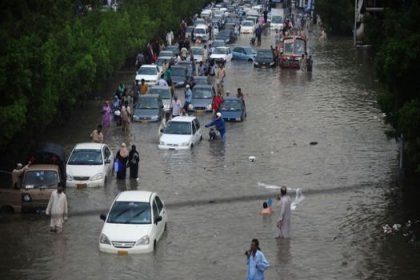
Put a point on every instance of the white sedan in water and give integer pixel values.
(89, 165)
(134, 224)
(222, 54)
(150, 73)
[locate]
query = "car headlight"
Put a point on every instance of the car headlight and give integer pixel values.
(190, 107)
(166, 106)
(136, 118)
(162, 143)
(26, 197)
(69, 177)
(209, 107)
(272, 63)
(98, 176)
(256, 63)
(154, 118)
(145, 240)
(104, 239)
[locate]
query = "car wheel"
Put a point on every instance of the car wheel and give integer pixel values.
(249, 60)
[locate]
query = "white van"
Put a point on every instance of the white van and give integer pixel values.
(205, 14)
(201, 33)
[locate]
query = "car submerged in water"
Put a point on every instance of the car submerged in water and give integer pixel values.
(264, 59)
(149, 107)
(233, 109)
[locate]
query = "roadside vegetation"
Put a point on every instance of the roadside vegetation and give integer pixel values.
(56, 54)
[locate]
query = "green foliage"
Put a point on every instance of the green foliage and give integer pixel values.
(337, 16)
(397, 65)
(52, 58)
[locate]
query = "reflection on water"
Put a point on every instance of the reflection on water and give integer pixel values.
(335, 232)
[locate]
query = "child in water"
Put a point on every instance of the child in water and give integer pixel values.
(266, 211)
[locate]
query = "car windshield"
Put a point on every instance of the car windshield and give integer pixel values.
(218, 44)
(36, 179)
(178, 71)
(164, 93)
(276, 19)
(265, 54)
(299, 47)
(199, 31)
(197, 51)
(147, 71)
(85, 157)
(288, 47)
(128, 212)
(231, 105)
(201, 93)
(174, 127)
(148, 103)
(166, 53)
(247, 23)
(249, 51)
(220, 51)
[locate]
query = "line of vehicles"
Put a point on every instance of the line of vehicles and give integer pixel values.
(137, 220)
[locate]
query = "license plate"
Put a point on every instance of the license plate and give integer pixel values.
(122, 253)
(81, 186)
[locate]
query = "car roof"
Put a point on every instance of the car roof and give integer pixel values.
(148, 65)
(232, 98)
(138, 196)
(201, 26)
(149, 96)
(183, 119)
(89, 146)
(159, 87)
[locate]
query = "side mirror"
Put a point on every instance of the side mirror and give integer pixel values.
(158, 219)
(103, 217)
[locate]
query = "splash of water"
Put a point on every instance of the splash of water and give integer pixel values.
(299, 197)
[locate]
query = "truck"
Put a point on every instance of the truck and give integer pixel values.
(46, 171)
(277, 18)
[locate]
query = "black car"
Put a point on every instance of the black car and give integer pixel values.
(264, 59)
(179, 75)
(228, 36)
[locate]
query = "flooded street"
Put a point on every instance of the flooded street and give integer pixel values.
(212, 192)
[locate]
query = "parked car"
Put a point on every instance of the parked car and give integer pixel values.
(181, 133)
(189, 66)
(264, 59)
(244, 53)
(89, 165)
(233, 109)
(198, 53)
(221, 54)
(202, 98)
(165, 94)
(247, 27)
(149, 107)
(149, 72)
(173, 48)
(179, 75)
(201, 33)
(228, 36)
(134, 224)
(201, 80)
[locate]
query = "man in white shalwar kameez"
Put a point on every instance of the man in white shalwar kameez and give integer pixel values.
(283, 222)
(57, 208)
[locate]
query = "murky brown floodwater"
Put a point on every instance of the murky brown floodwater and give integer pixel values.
(336, 231)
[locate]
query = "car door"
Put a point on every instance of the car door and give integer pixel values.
(194, 134)
(159, 225)
(198, 129)
(237, 53)
(229, 54)
(162, 212)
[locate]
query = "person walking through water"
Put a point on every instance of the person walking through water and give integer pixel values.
(283, 222)
(106, 115)
(97, 135)
(256, 261)
(121, 160)
(134, 159)
(57, 209)
(220, 125)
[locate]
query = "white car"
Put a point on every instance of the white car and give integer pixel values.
(149, 72)
(198, 53)
(247, 27)
(134, 224)
(89, 165)
(181, 133)
(222, 54)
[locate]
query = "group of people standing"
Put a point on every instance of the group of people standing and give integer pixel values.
(127, 159)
